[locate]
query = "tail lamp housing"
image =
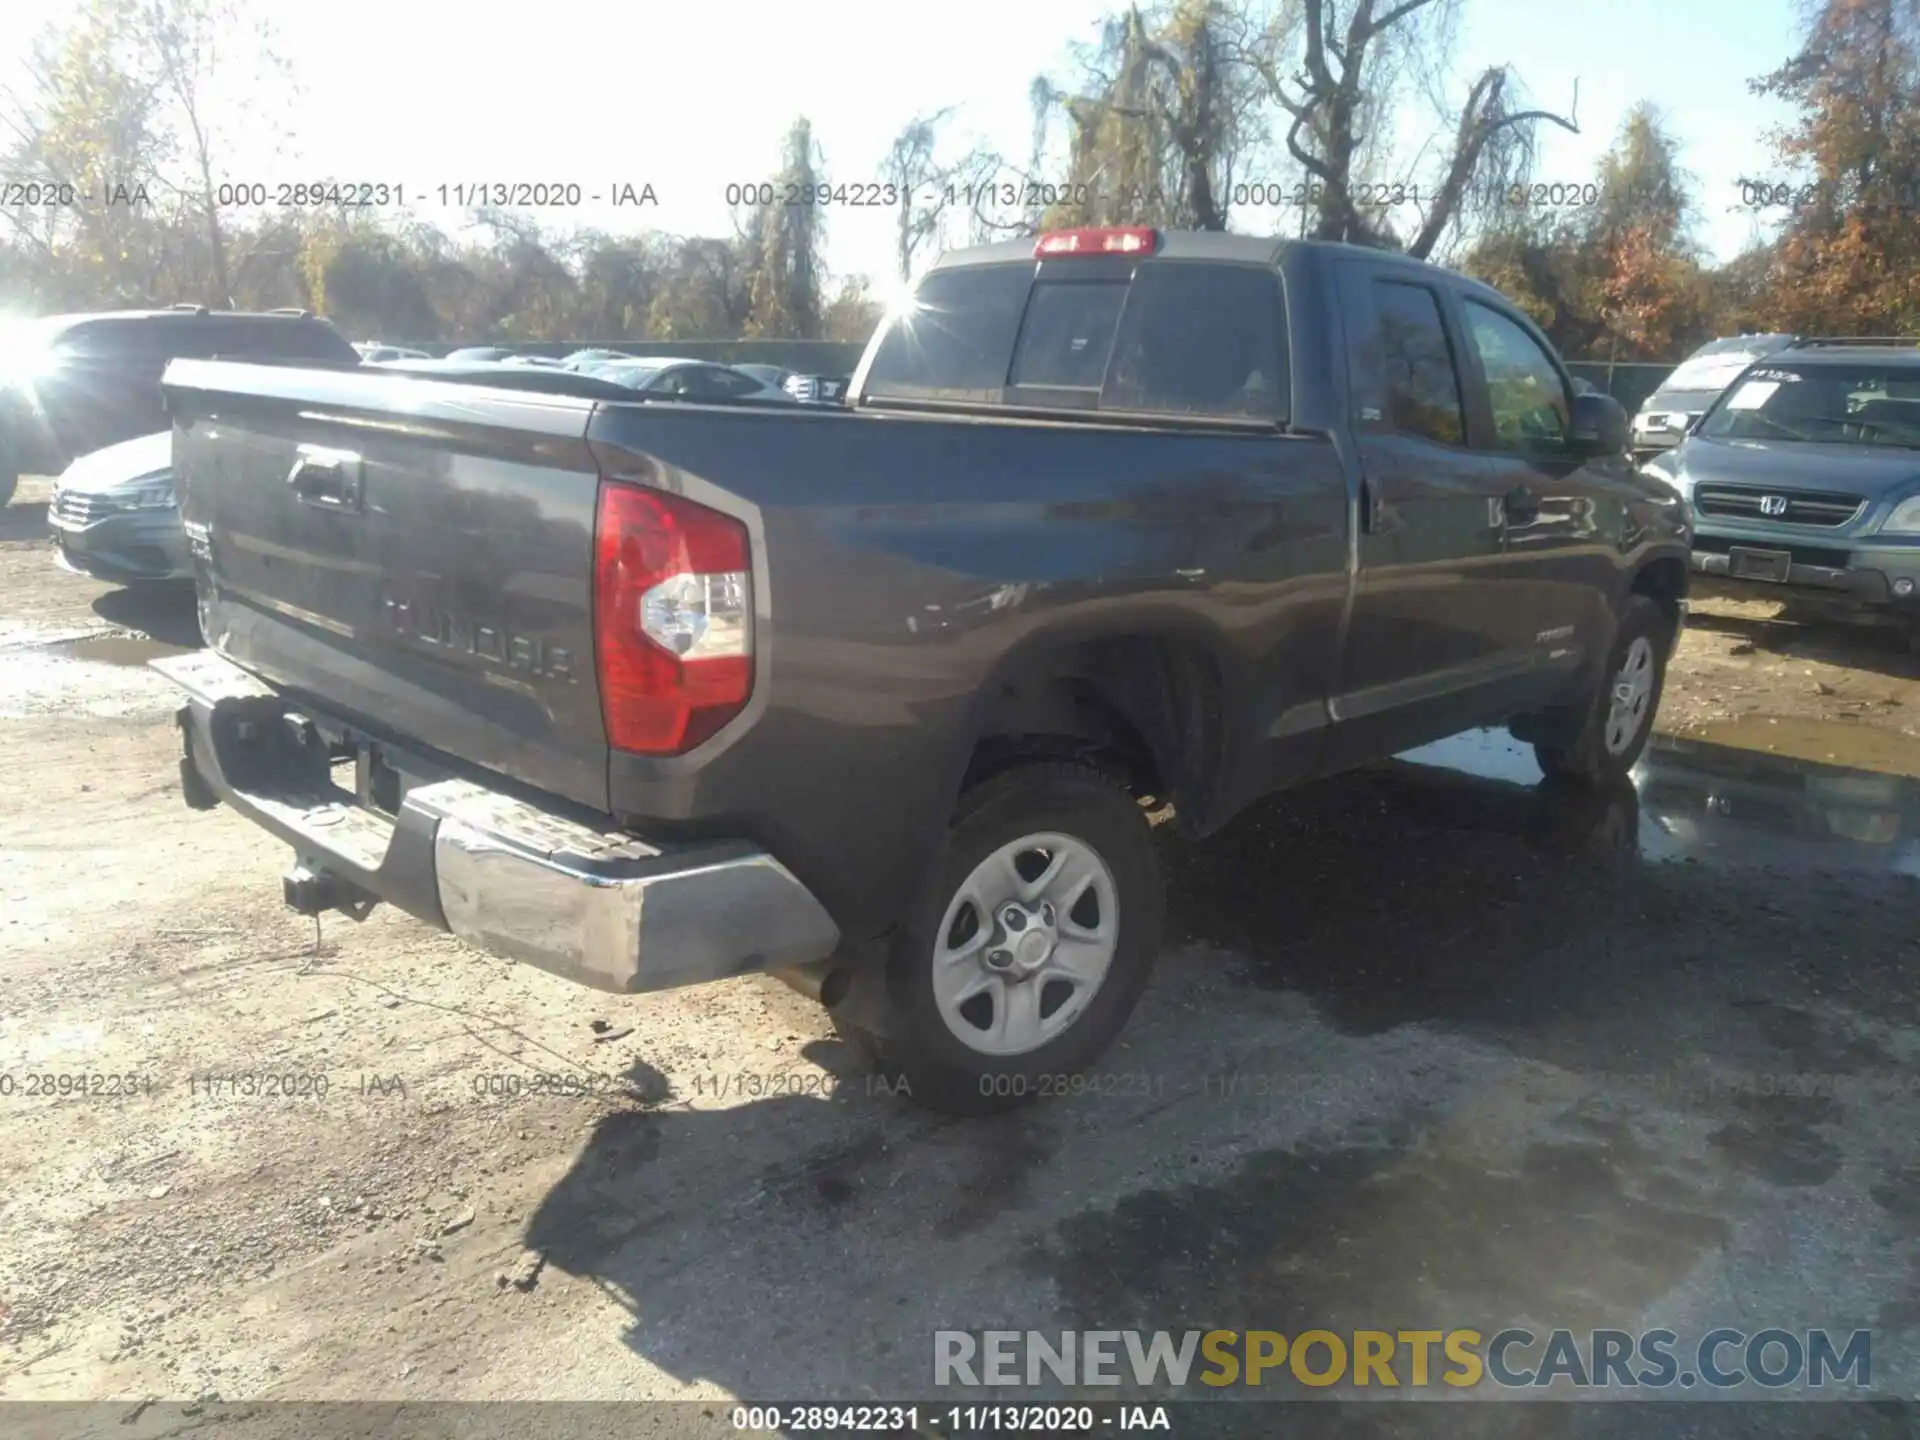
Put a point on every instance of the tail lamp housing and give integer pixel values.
(672, 618)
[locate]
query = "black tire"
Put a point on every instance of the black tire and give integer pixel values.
(1589, 760)
(930, 1064)
(1572, 817)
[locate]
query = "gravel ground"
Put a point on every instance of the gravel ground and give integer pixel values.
(1429, 1045)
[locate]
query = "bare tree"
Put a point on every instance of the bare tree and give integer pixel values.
(911, 168)
(785, 239)
(1327, 78)
(201, 48)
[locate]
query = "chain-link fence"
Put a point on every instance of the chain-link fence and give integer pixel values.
(1629, 383)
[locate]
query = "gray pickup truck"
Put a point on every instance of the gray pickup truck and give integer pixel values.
(647, 692)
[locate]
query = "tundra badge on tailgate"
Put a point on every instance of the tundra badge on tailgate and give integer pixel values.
(466, 636)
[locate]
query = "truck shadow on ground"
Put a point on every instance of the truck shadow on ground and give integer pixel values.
(169, 613)
(1478, 1017)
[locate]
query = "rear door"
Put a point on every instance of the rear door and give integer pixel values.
(418, 558)
(1428, 648)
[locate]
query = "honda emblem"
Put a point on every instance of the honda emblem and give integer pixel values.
(1775, 505)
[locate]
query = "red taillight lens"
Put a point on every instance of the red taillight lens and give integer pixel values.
(672, 618)
(1098, 240)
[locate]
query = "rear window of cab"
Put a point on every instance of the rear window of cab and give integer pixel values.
(1161, 337)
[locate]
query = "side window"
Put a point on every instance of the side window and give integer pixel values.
(1420, 387)
(1201, 340)
(184, 337)
(731, 382)
(121, 340)
(1527, 395)
(232, 339)
(88, 341)
(305, 340)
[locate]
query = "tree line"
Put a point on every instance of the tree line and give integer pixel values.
(1291, 117)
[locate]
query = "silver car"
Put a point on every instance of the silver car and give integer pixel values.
(775, 375)
(374, 354)
(114, 515)
(690, 379)
(1693, 386)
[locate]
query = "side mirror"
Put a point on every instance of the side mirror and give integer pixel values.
(1599, 425)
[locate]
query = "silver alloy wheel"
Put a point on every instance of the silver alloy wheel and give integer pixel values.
(1632, 692)
(1025, 944)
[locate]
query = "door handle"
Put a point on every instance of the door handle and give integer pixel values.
(329, 478)
(1521, 505)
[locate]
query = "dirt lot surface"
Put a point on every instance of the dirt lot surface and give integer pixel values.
(1429, 1045)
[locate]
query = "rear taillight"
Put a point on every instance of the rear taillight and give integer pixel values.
(1098, 240)
(672, 619)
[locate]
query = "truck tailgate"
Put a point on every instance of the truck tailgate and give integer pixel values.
(419, 563)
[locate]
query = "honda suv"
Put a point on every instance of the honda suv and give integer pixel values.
(73, 384)
(1804, 480)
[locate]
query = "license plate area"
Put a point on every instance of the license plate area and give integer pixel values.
(1772, 565)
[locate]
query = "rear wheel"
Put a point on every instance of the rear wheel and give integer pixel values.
(1618, 718)
(1022, 962)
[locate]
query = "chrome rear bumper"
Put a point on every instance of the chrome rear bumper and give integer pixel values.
(603, 908)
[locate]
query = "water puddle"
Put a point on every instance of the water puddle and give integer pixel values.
(1702, 797)
(1824, 742)
(103, 676)
(122, 650)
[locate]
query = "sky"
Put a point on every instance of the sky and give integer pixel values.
(689, 98)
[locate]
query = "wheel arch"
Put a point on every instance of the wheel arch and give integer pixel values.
(1148, 703)
(1664, 580)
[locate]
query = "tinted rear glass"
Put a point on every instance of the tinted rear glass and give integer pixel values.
(1068, 334)
(1182, 338)
(957, 342)
(169, 337)
(1201, 340)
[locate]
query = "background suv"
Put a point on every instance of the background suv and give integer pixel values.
(1804, 480)
(73, 384)
(1696, 382)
